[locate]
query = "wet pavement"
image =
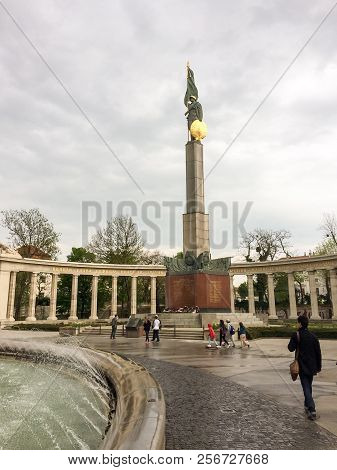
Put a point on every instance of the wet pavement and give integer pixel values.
(231, 399)
(234, 399)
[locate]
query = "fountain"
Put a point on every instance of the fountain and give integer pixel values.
(60, 395)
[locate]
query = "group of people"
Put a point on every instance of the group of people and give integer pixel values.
(156, 326)
(226, 335)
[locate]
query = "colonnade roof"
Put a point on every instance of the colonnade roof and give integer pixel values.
(286, 265)
(67, 267)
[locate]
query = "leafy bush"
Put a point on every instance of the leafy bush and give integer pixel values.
(36, 326)
(326, 332)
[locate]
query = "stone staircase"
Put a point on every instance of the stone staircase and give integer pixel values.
(165, 332)
(178, 320)
(248, 319)
(188, 326)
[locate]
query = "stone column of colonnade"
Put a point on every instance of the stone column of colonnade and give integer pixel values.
(333, 286)
(73, 303)
(32, 298)
(93, 314)
(11, 297)
(133, 295)
(292, 296)
(271, 297)
(53, 297)
(153, 295)
(251, 297)
(231, 288)
(313, 295)
(114, 284)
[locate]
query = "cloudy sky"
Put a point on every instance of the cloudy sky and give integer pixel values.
(123, 63)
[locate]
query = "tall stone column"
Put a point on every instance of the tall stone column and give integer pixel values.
(74, 293)
(231, 287)
(4, 290)
(313, 295)
(195, 221)
(133, 296)
(93, 315)
(333, 285)
(11, 297)
(271, 297)
(32, 298)
(292, 296)
(53, 297)
(153, 295)
(251, 299)
(114, 296)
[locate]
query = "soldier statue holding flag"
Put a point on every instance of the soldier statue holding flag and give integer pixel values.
(196, 126)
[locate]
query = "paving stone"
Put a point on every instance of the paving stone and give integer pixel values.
(209, 412)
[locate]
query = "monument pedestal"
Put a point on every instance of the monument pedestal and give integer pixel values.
(210, 292)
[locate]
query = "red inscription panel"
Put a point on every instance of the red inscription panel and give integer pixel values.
(207, 291)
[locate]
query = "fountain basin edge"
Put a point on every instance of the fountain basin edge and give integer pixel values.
(138, 421)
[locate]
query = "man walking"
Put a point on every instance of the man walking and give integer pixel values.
(156, 327)
(114, 327)
(310, 361)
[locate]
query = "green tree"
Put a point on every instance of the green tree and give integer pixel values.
(281, 290)
(243, 290)
(327, 247)
(82, 255)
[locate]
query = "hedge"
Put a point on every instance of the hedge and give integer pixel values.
(286, 331)
(49, 326)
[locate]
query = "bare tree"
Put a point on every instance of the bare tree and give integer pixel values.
(119, 242)
(263, 245)
(31, 233)
(33, 236)
(329, 227)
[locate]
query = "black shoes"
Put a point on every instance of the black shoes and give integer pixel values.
(312, 415)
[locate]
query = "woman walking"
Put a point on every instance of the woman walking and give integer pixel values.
(222, 334)
(242, 334)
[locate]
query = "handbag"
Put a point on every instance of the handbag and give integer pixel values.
(294, 366)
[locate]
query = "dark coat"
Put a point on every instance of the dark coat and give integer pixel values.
(147, 325)
(310, 358)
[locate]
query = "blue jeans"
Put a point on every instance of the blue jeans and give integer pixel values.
(306, 382)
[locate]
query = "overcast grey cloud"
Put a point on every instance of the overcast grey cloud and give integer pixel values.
(124, 63)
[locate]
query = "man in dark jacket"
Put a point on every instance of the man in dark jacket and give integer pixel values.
(310, 361)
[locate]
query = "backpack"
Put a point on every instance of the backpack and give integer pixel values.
(232, 330)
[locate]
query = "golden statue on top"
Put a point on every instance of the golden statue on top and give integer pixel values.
(194, 113)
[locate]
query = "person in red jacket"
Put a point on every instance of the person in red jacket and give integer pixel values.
(211, 337)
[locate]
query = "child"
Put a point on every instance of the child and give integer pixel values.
(211, 337)
(242, 333)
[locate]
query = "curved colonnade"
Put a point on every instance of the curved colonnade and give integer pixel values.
(11, 265)
(290, 266)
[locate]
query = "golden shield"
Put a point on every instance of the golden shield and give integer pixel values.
(198, 129)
